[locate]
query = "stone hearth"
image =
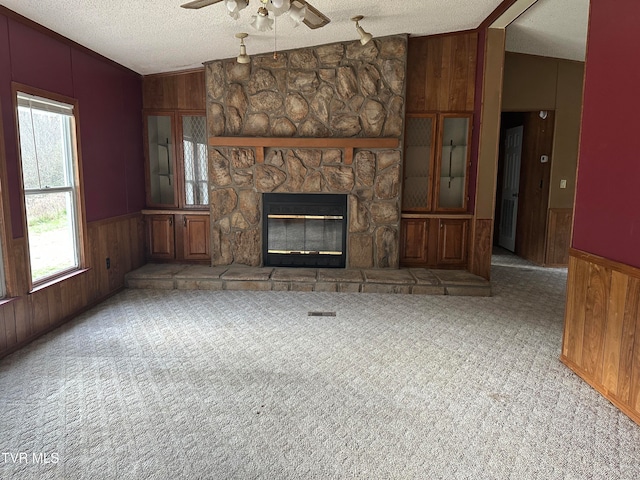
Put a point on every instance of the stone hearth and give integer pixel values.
(416, 281)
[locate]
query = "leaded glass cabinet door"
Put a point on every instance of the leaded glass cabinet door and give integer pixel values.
(195, 192)
(453, 162)
(161, 165)
(418, 163)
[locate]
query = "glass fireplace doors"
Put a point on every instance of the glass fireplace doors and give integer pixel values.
(304, 230)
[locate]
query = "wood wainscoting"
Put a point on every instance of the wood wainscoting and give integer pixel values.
(601, 340)
(29, 315)
(559, 237)
(533, 198)
(481, 247)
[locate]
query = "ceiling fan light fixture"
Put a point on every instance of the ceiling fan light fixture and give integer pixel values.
(243, 57)
(300, 11)
(234, 7)
(278, 7)
(297, 14)
(261, 21)
(365, 37)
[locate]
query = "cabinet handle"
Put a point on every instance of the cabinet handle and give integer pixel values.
(184, 221)
(171, 221)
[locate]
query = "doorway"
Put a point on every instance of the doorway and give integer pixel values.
(510, 187)
(522, 190)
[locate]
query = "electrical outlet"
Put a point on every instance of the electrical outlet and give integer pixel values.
(108, 263)
(563, 183)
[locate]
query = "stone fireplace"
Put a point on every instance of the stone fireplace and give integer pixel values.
(343, 90)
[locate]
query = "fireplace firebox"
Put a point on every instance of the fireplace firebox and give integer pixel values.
(304, 230)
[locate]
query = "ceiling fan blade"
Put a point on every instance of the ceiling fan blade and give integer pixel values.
(314, 17)
(200, 3)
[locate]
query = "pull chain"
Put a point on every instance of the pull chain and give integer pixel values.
(275, 38)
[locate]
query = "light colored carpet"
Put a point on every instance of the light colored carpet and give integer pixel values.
(245, 385)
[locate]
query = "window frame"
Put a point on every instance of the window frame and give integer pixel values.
(77, 190)
(7, 288)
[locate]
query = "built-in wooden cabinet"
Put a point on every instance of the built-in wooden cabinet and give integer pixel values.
(414, 249)
(160, 150)
(453, 237)
(419, 162)
(435, 186)
(177, 178)
(432, 241)
(435, 225)
(195, 237)
(436, 162)
(178, 236)
(176, 159)
(161, 243)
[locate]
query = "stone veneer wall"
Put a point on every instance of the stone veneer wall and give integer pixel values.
(339, 90)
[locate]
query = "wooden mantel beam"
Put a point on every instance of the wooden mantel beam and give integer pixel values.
(347, 144)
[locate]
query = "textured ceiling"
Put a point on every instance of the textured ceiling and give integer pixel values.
(553, 28)
(151, 36)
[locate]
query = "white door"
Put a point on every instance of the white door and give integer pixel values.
(510, 187)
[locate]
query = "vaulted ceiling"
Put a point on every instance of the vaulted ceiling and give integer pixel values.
(151, 36)
(551, 28)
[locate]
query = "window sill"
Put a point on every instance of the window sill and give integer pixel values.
(53, 281)
(7, 300)
(192, 211)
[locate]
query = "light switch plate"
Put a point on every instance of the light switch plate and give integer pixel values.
(563, 184)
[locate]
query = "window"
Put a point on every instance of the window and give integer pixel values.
(49, 171)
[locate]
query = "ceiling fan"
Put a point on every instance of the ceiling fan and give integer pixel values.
(299, 10)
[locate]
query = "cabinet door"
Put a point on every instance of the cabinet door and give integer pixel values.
(452, 241)
(194, 191)
(196, 237)
(160, 159)
(160, 235)
(414, 241)
(452, 167)
(419, 150)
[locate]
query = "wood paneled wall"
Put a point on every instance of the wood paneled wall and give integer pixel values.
(29, 315)
(481, 247)
(559, 237)
(531, 232)
(442, 73)
(601, 341)
(491, 68)
(174, 91)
